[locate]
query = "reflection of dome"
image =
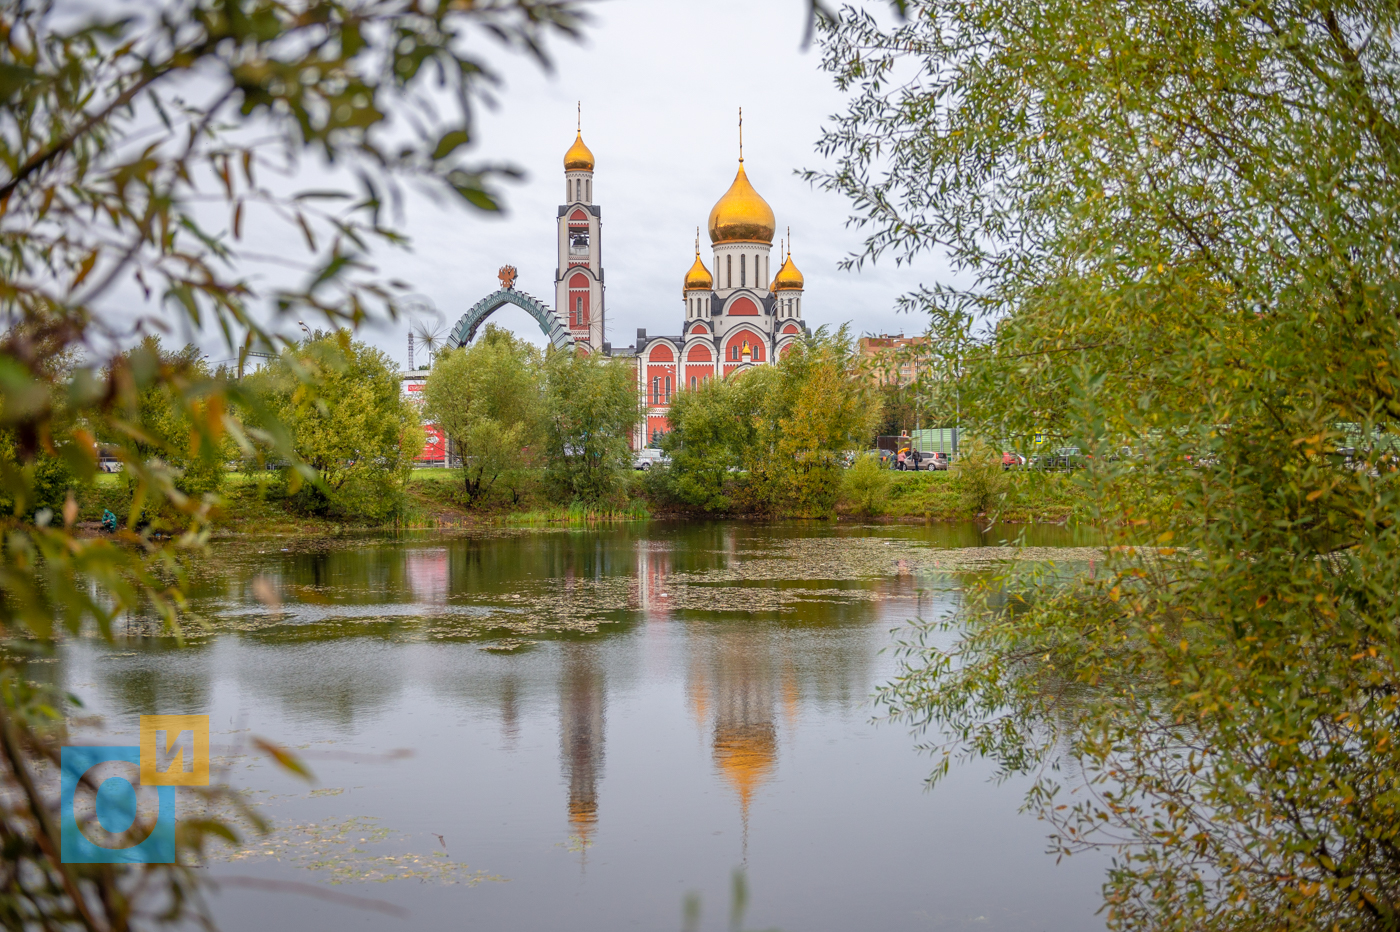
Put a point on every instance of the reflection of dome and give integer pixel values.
(788, 278)
(746, 755)
(583, 816)
(579, 157)
(741, 216)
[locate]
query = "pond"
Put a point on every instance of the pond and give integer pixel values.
(589, 729)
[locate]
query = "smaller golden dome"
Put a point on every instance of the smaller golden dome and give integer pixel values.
(579, 158)
(788, 278)
(698, 278)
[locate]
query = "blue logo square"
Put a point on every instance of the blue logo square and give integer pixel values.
(116, 809)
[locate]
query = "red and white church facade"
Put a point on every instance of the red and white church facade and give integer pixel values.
(744, 314)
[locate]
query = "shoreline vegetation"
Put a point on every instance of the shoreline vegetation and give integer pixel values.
(255, 503)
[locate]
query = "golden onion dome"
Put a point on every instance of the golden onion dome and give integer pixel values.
(579, 158)
(698, 278)
(788, 278)
(741, 216)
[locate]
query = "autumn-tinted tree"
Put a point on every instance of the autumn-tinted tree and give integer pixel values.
(341, 403)
(1175, 223)
(137, 156)
(787, 426)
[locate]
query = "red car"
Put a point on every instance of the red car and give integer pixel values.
(1008, 460)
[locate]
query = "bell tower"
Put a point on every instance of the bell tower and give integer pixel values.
(578, 280)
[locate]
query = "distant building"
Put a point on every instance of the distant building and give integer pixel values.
(435, 445)
(895, 360)
(746, 313)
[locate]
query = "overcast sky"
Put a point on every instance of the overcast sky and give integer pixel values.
(661, 83)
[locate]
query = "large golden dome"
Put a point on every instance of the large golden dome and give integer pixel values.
(741, 216)
(579, 158)
(788, 278)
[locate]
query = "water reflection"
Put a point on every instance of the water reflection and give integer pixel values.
(733, 679)
(686, 697)
(582, 701)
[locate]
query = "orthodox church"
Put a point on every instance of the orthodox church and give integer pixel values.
(743, 314)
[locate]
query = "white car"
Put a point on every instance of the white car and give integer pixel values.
(648, 457)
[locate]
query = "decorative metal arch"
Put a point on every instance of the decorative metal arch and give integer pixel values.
(553, 327)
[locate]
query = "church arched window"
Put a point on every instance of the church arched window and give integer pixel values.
(743, 281)
(729, 271)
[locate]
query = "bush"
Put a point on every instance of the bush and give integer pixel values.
(866, 485)
(980, 477)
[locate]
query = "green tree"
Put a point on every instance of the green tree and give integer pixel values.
(157, 419)
(786, 426)
(899, 409)
(705, 444)
(50, 475)
(1177, 226)
(133, 151)
(346, 417)
(590, 410)
(487, 398)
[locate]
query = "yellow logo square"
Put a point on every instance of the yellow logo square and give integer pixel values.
(175, 750)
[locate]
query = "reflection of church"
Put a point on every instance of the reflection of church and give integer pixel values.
(743, 314)
(734, 682)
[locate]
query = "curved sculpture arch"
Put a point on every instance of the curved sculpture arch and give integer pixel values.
(553, 327)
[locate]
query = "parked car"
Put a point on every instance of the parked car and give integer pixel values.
(648, 457)
(1012, 460)
(886, 457)
(1063, 458)
(936, 460)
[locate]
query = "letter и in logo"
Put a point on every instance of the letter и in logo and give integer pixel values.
(118, 834)
(175, 750)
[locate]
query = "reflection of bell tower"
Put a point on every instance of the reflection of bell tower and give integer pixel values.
(581, 702)
(578, 280)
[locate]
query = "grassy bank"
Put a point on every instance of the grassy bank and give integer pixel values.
(253, 503)
(435, 499)
(1028, 496)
